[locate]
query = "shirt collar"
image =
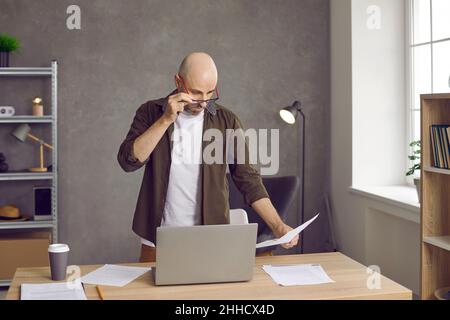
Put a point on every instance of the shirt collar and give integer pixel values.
(211, 107)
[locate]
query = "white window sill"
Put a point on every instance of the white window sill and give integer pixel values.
(401, 196)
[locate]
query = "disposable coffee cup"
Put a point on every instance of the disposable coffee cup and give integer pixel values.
(58, 254)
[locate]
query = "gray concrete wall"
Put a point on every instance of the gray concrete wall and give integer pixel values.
(268, 53)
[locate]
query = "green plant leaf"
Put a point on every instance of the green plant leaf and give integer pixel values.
(8, 43)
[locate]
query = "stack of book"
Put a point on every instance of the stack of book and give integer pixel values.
(440, 144)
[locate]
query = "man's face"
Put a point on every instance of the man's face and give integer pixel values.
(197, 90)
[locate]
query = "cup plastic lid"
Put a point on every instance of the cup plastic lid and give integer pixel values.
(58, 247)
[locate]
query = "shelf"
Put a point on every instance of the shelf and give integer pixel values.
(436, 170)
(435, 230)
(26, 119)
(26, 225)
(5, 283)
(49, 123)
(26, 72)
(442, 242)
(25, 175)
(400, 196)
(435, 96)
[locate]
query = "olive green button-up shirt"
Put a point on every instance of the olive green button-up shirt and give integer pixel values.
(214, 183)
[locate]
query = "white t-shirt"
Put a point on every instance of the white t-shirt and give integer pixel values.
(183, 199)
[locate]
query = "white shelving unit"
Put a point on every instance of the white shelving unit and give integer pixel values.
(26, 119)
(15, 176)
(51, 120)
(26, 225)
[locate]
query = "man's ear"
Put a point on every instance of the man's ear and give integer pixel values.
(177, 82)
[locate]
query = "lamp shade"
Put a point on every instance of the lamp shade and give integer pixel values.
(289, 114)
(21, 132)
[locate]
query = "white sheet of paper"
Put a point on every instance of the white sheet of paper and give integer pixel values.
(288, 236)
(52, 291)
(114, 275)
(297, 275)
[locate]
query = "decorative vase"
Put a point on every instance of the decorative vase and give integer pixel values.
(417, 184)
(4, 59)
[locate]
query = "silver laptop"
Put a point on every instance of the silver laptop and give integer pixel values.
(205, 254)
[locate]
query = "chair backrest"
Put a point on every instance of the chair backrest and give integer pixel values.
(238, 216)
(282, 191)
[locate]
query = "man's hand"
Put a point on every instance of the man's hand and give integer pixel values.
(144, 145)
(268, 213)
(175, 105)
(280, 231)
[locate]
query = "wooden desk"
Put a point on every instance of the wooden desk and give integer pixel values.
(350, 283)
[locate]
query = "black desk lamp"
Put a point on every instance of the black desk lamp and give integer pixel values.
(289, 115)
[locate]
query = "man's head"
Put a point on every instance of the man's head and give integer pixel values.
(197, 76)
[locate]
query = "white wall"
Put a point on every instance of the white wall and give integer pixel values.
(368, 136)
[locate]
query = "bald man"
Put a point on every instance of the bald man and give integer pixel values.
(175, 192)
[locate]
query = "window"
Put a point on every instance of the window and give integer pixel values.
(429, 51)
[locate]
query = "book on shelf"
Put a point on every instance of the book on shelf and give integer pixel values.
(440, 146)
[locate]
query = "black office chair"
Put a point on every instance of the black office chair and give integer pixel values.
(282, 192)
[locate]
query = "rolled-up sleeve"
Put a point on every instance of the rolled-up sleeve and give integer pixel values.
(245, 176)
(126, 156)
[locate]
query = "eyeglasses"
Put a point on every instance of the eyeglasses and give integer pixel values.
(208, 101)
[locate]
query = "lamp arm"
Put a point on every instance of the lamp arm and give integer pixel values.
(34, 138)
(40, 141)
(298, 105)
(47, 145)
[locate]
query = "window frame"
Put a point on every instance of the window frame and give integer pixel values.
(410, 94)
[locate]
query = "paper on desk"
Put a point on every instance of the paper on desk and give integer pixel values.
(113, 275)
(287, 237)
(295, 275)
(52, 291)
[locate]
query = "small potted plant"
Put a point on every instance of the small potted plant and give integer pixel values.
(8, 44)
(415, 145)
